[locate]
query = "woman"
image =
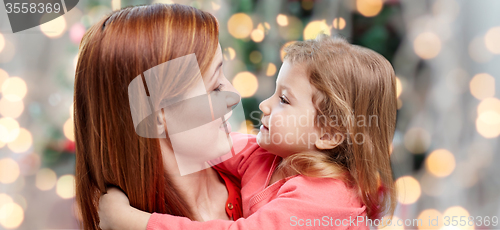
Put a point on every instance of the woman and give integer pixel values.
(109, 149)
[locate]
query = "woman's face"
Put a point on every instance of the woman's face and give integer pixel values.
(196, 127)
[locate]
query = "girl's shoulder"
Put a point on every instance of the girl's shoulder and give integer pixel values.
(247, 144)
(329, 191)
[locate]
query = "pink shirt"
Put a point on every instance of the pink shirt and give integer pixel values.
(291, 203)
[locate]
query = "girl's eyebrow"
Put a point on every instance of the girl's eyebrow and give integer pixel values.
(288, 90)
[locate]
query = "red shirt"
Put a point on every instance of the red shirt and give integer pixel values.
(233, 204)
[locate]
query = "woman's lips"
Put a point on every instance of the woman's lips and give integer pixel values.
(225, 126)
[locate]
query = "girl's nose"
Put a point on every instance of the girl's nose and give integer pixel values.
(264, 107)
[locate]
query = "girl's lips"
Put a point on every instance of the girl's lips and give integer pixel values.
(264, 128)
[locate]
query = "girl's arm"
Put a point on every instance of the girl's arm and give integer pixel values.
(115, 212)
(302, 202)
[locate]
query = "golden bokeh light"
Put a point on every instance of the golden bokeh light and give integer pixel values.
(14, 88)
(314, 28)
(22, 143)
(68, 129)
(229, 54)
(267, 26)
(489, 104)
(257, 35)
(408, 190)
(440, 163)
(491, 40)
(116, 4)
(240, 25)
(399, 87)
(9, 108)
(246, 83)
(271, 69)
(2, 42)
(255, 57)
(488, 124)
(430, 219)
(9, 129)
(45, 179)
(459, 211)
(9, 170)
(488, 120)
(339, 23)
(282, 50)
(75, 61)
(417, 140)
(427, 45)
(65, 186)
(11, 215)
(369, 8)
(482, 86)
(53, 28)
(4, 199)
(215, 6)
(282, 20)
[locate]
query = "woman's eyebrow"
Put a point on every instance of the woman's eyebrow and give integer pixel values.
(213, 79)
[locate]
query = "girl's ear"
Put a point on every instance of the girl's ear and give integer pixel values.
(327, 141)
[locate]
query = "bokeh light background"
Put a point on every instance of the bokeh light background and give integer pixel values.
(446, 54)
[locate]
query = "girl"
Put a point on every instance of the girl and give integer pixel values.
(321, 157)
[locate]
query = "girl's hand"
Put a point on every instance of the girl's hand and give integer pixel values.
(115, 212)
(110, 205)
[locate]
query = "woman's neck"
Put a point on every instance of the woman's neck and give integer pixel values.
(203, 191)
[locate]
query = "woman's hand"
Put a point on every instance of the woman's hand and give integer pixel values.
(115, 212)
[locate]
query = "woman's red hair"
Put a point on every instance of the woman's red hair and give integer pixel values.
(108, 151)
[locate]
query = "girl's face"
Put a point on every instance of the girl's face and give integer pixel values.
(288, 115)
(200, 131)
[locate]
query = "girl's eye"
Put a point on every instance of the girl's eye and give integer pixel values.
(218, 88)
(283, 100)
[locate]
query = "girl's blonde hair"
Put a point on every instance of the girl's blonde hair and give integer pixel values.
(355, 86)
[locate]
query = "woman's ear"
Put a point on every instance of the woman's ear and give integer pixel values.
(160, 124)
(327, 141)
